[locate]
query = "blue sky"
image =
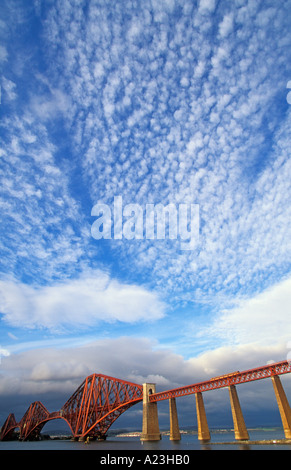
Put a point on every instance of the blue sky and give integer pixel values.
(169, 101)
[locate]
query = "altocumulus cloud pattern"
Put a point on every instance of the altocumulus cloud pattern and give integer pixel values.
(158, 102)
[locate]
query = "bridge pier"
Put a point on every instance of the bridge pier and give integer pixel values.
(150, 422)
(240, 430)
(283, 406)
(175, 434)
(203, 430)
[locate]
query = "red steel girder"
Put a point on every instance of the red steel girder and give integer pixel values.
(8, 427)
(97, 403)
(90, 411)
(235, 378)
(101, 399)
(33, 420)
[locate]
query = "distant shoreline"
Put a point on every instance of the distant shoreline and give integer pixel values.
(122, 433)
(234, 442)
(260, 442)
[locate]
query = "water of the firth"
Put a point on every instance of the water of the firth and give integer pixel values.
(221, 439)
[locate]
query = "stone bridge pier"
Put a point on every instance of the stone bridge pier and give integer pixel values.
(150, 421)
(151, 431)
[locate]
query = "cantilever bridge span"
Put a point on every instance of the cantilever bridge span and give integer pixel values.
(101, 399)
(90, 411)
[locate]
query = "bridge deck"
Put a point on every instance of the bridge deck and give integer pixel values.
(278, 368)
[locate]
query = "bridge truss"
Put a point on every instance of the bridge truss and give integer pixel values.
(235, 378)
(101, 399)
(90, 411)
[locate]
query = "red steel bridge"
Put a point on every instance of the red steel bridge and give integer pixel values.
(101, 399)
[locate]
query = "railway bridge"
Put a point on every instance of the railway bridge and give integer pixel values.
(101, 399)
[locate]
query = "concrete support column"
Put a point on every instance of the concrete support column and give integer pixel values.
(174, 425)
(150, 422)
(240, 430)
(203, 430)
(283, 405)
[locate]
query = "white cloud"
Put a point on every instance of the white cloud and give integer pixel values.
(4, 353)
(3, 54)
(226, 25)
(9, 87)
(57, 369)
(226, 359)
(207, 6)
(98, 70)
(261, 320)
(84, 301)
(50, 106)
(36, 201)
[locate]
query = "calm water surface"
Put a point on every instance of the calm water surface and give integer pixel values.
(220, 440)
